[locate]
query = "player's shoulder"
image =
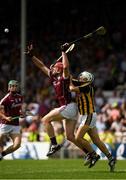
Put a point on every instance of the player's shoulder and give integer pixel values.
(76, 82)
(5, 98)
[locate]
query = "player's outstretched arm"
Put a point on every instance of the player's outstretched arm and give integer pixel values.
(65, 60)
(39, 63)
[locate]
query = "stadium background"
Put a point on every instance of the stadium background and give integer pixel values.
(48, 25)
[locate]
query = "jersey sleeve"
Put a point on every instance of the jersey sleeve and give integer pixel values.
(3, 102)
(76, 82)
(84, 89)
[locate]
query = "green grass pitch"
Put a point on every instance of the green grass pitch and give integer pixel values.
(59, 169)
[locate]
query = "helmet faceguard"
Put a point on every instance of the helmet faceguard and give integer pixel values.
(59, 66)
(86, 77)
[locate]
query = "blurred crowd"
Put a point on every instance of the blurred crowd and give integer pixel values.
(105, 57)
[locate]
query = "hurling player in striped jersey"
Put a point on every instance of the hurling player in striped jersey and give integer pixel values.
(84, 89)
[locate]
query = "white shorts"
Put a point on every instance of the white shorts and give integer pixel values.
(69, 111)
(89, 120)
(9, 129)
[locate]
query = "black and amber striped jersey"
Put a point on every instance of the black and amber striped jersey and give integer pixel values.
(85, 98)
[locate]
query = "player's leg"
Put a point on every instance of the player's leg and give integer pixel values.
(97, 141)
(69, 127)
(14, 134)
(85, 125)
(16, 138)
(53, 115)
(81, 131)
(92, 157)
(70, 114)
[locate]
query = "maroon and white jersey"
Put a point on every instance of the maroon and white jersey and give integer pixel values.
(61, 86)
(12, 106)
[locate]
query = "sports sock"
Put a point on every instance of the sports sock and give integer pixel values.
(3, 153)
(85, 150)
(109, 156)
(53, 140)
(92, 154)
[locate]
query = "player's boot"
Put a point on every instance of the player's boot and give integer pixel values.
(93, 161)
(87, 160)
(111, 164)
(53, 149)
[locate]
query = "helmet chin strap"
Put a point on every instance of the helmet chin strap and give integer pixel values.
(13, 92)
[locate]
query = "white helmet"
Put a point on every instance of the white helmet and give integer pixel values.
(86, 77)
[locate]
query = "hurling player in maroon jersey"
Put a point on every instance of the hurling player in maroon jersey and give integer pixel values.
(10, 107)
(60, 78)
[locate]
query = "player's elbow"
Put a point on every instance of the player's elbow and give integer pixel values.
(66, 68)
(71, 88)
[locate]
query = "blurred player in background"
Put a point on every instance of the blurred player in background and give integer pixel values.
(84, 89)
(60, 78)
(10, 107)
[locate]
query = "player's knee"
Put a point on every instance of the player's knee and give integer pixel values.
(16, 146)
(45, 121)
(70, 137)
(77, 138)
(96, 142)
